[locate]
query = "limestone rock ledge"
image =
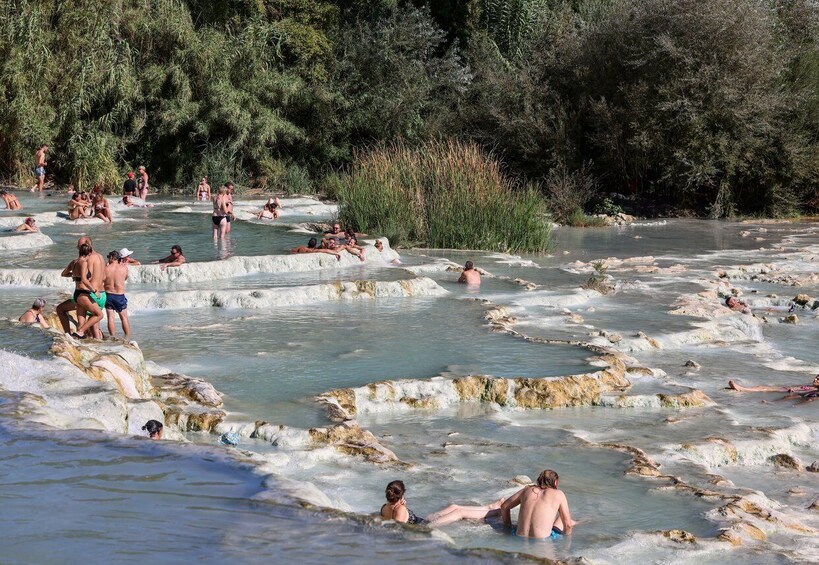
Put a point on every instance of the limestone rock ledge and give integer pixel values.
(440, 392)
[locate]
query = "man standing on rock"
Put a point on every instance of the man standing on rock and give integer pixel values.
(39, 167)
(116, 273)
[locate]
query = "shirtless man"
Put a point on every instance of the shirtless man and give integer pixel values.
(70, 305)
(116, 273)
(544, 509)
(203, 190)
(11, 200)
(39, 167)
(335, 232)
(470, 275)
(175, 259)
(142, 183)
(312, 247)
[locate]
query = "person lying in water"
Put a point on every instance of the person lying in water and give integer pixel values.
(544, 510)
(35, 315)
(396, 509)
(736, 304)
(270, 211)
(312, 247)
(332, 245)
(29, 224)
(767, 388)
(175, 259)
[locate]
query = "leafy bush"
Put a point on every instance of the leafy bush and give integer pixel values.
(442, 194)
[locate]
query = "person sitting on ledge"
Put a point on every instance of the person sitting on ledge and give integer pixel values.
(35, 315)
(470, 275)
(154, 429)
(175, 259)
(11, 200)
(766, 388)
(396, 509)
(312, 247)
(29, 224)
(544, 510)
(736, 304)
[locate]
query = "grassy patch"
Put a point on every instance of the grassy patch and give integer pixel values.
(443, 194)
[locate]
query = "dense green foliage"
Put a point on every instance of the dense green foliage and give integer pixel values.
(441, 194)
(708, 105)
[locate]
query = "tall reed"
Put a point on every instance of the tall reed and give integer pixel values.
(445, 194)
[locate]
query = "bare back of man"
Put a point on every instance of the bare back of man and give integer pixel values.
(542, 508)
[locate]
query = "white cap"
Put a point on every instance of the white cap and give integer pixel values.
(125, 252)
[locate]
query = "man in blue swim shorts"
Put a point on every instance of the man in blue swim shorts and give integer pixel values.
(39, 167)
(544, 510)
(116, 273)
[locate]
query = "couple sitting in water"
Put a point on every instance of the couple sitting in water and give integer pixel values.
(544, 510)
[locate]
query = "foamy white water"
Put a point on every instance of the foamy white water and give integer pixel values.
(411, 356)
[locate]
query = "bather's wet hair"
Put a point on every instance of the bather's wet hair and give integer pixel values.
(39, 304)
(547, 479)
(395, 491)
(153, 427)
(312, 243)
(469, 266)
(85, 250)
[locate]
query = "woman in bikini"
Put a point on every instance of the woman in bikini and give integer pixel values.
(203, 190)
(88, 275)
(220, 212)
(396, 509)
(101, 208)
(35, 314)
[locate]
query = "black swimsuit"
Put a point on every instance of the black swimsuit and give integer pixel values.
(412, 518)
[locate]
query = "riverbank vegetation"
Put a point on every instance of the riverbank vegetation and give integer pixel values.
(703, 106)
(441, 194)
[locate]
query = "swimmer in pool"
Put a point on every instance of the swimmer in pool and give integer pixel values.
(396, 509)
(154, 429)
(312, 247)
(544, 510)
(470, 275)
(331, 245)
(28, 225)
(35, 315)
(203, 190)
(175, 259)
(765, 388)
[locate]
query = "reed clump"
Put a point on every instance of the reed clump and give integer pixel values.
(445, 194)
